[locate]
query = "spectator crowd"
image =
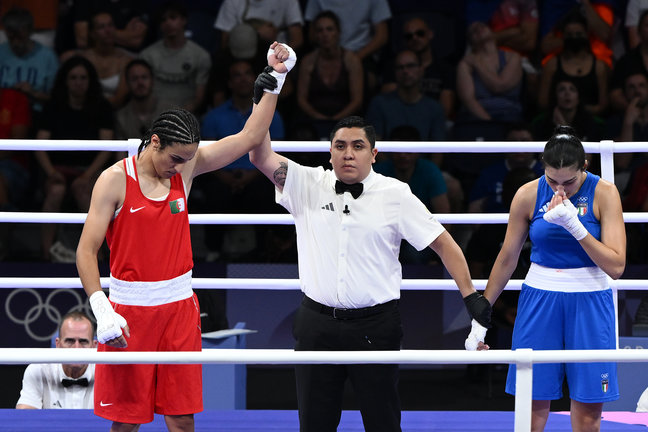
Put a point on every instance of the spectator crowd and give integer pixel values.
(476, 70)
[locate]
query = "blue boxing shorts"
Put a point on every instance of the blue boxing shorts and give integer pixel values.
(560, 320)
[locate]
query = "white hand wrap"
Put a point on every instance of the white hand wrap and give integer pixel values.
(566, 216)
(477, 334)
(281, 77)
(109, 322)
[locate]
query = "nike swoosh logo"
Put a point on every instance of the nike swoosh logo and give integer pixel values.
(132, 210)
(104, 404)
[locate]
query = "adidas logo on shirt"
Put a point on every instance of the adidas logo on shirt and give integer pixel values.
(328, 206)
(544, 208)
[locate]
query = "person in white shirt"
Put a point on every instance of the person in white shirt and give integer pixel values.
(350, 222)
(279, 20)
(63, 386)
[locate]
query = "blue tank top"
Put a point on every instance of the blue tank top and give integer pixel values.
(552, 245)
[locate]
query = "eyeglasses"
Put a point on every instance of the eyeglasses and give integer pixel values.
(418, 33)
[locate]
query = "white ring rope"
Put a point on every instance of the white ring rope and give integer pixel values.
(289, 356)
(274, 219)
(323, 146)
(287, 284)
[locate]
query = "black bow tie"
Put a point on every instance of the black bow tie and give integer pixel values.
(67, 382)
(355, 188)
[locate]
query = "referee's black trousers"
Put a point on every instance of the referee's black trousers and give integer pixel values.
(320, 387)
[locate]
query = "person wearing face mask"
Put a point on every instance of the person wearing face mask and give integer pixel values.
(578, 63)
(575, 223)
(600, 17)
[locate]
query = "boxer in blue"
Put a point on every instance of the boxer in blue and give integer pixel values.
(575, 223)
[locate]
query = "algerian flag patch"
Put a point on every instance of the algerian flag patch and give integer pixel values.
(177, 206)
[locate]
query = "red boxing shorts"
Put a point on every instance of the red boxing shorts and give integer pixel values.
(131, 393)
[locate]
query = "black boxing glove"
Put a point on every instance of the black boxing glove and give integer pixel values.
(264, 81)
(479, 308)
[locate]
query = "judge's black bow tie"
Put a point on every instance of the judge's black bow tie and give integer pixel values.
(355, 189)
(67, 382)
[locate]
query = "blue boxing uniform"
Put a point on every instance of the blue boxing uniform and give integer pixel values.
(566, 303)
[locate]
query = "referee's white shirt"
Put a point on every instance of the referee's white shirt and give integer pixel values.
(43, 388)
(351, 260)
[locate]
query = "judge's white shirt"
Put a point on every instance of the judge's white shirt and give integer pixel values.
(43, 388)
(350, 259)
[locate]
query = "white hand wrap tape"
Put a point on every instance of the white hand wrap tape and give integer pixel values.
(109, 322)
(477, 334)
(281, 77)
(566, 216)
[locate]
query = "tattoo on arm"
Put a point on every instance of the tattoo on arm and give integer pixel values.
(280, 174)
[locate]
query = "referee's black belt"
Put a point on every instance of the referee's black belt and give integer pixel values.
(348, 314)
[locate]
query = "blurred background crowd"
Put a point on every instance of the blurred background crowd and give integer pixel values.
(470, 70)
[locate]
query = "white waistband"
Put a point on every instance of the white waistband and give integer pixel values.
(150, 293)
(581, 279)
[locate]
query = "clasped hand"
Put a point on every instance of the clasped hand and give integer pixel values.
(475, 340)
(562, 212)
(281, 59)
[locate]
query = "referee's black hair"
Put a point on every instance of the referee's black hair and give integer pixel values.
(173, 126)
(564, 149)
(356, 122)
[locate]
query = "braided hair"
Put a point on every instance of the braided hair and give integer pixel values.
(173, 126)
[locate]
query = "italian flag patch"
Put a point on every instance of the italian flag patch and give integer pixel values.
(177, 206)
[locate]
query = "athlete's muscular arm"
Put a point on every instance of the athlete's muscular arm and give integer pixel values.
(272, 164)
(516, 233)
(107, 195)
(221, 153)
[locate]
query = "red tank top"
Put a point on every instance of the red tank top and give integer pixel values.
(149, 240)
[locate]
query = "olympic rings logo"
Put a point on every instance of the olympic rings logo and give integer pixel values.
(36, 311)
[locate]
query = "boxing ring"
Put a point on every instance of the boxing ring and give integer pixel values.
(519, 420)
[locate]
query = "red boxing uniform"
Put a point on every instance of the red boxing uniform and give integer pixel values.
(150, 265)
(149, 239)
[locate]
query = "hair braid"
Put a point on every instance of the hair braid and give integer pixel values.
(173, 126)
